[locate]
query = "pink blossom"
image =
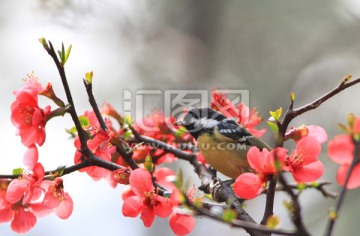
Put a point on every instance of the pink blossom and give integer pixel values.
(143, 199)
(250, 185)
(29, 118)
(26, 187)
(303, 163)
(56, 198)
(341, 151)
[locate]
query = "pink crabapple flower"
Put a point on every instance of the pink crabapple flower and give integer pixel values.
(31, 156)
(297, 133)
(27, 187)
(57, 199)
(143, 199)
(22, 216)
(250, 185)
(28, 118)
(303, 163)
(242, 114)
(100, 146)
(341, 151)
(181, 224)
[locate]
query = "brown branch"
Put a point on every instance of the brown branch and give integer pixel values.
(293, 113)
(270, 197)
(168, 148)
(92, 160)
(124, 152)
(289, 116)
(72, 110)
(296, 211)
(220, 192)
(318, 186)
(250, 227)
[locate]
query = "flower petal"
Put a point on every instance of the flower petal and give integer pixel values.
(6, 214)
(23, 221)
(164, 209)
(181, 224)
(310, 172)
(31, 156)
(257, 160)
(148, 216)
(341, 149)
(354, 181)
(16, 190)
(141, 181)
(308, 148)
(65, 207)
(247, 186)
(132, 206)
(318, 133)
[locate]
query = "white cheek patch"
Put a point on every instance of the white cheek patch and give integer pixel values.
(208, 123)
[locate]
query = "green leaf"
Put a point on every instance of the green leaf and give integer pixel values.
(301, 186)
(179, 179)
(229, 215)
(17, 171)
(60, 170)
(67, 54)
(127, 120)
(88, 77)
(276, 114)
(127, 135)
(343, 127)
(148, 164)
(72, 130)
(44, 43)
(84, 121)
(273, 126)
(292, 97)
(315, 184)
(272, 222)
(182, 130)
(332, 214)
(62, 53)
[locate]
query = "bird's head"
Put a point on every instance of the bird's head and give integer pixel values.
(199, 120)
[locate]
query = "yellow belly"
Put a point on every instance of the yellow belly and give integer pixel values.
(229, 158)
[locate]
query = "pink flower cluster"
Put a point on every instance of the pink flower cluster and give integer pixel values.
(143, 199)
(31, 196)
(302, 163)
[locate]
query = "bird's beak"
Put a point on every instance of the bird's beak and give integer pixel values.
(179, 123)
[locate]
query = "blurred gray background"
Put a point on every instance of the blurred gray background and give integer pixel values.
(270, 48)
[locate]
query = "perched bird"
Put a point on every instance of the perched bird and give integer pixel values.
(223, 142)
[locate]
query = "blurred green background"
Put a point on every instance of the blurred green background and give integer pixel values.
(270, 48)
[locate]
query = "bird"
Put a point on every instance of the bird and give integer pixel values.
(223, 142)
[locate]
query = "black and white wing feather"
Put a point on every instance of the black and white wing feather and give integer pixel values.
(232, 130)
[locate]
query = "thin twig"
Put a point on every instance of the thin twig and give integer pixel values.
(318, 186)
(72, 110)
(289, 116)
(169, 148)
(250, 227)
(292, 113)
(270, 197)
(93, 160)
(296, 211)
(124, 152)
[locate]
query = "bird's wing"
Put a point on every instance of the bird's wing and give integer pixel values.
(232, 130)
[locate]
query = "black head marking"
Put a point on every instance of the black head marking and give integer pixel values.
(199, 120)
